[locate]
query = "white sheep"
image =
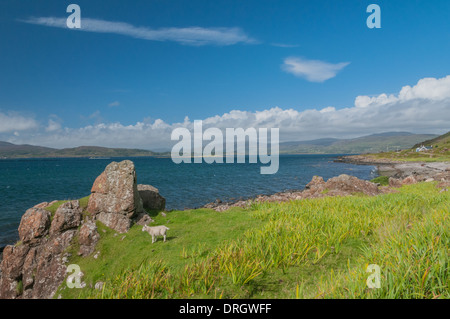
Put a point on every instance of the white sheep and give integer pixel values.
(156, 231)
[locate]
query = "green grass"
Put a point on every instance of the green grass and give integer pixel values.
(413, 156)
(313, 248)
(382, 180)
(193, 234)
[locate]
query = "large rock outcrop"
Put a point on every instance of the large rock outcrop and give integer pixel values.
(115, 199)
(35, 267)
(34, 225)
(341, 185)
(151, 199)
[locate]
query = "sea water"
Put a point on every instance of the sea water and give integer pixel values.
(27, 182)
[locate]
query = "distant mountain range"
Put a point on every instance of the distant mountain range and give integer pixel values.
(9, 150)
(367, 144)
(374, 143)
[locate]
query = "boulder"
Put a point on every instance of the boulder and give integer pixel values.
(88, 238)
(442, 176)
(28, 275)
(49, 268)
(395, 182)
(443, 184)
(118, 222)
(350, 185)
(99, 285)
(34, 224)
(67, 216)
(34, 267)
(317, 184)
(151, 199)
(45, 204)
(12, 264)
(143, 219)
(409, 180)
(41, 205)
(114, 196)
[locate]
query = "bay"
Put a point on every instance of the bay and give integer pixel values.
(27, 182)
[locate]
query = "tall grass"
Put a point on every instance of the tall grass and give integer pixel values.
(406, 234)
(414, 261)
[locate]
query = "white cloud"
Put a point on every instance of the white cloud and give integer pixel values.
(430, 89)
(195, 36)
(52, 126)
(423, 108)
(15, 122)
(427, 88)
(312, 70)
(113, 104)
(328, 109)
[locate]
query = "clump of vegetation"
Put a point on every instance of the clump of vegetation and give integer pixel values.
(19, 287)
(382, 180)
(313, 248)
(54, 207)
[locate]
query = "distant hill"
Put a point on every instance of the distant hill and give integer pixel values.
(387, 141)
(442, 141)
(439, 152)
(9, 150)
(22, 150)
(367, 144)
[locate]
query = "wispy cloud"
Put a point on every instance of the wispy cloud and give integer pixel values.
(113, 104)
(285, 45)
(312, 70)
(196, 36)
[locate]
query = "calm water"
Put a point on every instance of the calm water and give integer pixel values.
(24, 183)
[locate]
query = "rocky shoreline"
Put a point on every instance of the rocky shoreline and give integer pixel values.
(401, 169)
(399, 173)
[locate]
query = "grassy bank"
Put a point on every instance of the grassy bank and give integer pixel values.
(411, 156)
(314, 248)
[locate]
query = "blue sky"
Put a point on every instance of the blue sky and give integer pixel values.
(157, 62)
